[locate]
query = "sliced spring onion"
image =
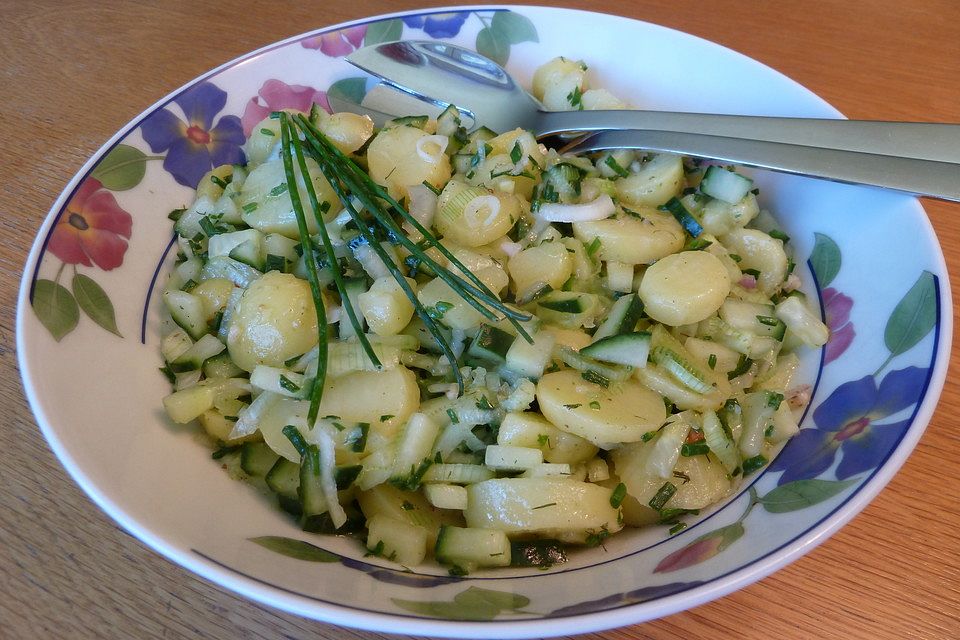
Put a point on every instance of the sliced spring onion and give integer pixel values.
(598, 209)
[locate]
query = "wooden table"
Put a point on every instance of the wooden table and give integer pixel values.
(74, 72)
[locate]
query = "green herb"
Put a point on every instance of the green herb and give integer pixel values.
(768, 431)
(575, 98)
(594, 405)
(615, 167)
(267, 132)
(663, 494)
(278, 190)
(437, 311)
(457, 571)
(220, 182)
(542, 506)
(275, 263)
(779, 235)
(682, 476)
(619, 493)
(743, 365)
(407, 506)
(690, 449)
(543, 440)
(189, 285)
(454, 418)
(223, 451)
(669, 516)
(768, 321)
(287, 384)
(516, 153)
(751, 272)
(427, 184)
(697, 244)
(296, 439)
(735, 257)
(593, 247)
(209, 227)
(712, 361)
(168, 373)
(596, 539)
(648, 436)
(176, 214)
(596, 378)
(357, 440)
(386, 417)
(677, 528)
(412, 481)
(573, 406)
(250, 207)
(753, 464)
(483, 404)
(774, 400)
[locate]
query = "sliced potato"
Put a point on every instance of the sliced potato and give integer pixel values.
(633, 240)
(604, 416)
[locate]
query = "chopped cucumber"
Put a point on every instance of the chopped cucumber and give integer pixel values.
(284, 478)
(530, 359)
(631, 349)
(257, 459)
(353, 288)
(490, 345)
(622, 317)
(725, 185)
(187, 311)
(468, 548)
(396, 540)
(193, 358)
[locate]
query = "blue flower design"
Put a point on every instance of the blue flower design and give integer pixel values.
(197, 145)
(439, 25)
(847, 421)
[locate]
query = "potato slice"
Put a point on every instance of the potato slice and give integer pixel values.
(604, 416)
(633, 240)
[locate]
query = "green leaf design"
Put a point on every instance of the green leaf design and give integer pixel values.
(825, 259)
(475, 596)
(121, 169)
(383, 31)
(514, 27)
(296, 549)
(55, 307)
(494, 45)
(801, 494)
(449, 610)
(472, 603)
(913, 317)
(350, 89)
(95, 303)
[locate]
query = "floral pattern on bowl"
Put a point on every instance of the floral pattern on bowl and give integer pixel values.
(89, 287)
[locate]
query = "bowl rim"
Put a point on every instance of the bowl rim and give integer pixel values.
(249, 587)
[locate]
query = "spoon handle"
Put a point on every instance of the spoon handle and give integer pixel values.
(919, 177)
(920, 140)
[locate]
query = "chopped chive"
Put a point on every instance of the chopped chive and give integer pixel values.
(296, 439)
(575, 98)
(220, 182)
(572, 406)
(677, 528)
(768, 321)
(615, 167)
(176, 214)
(593, 247)
(684, 217)
(427, 184)
(250, 207)
(288, 384)
(438, 310)
(753, 464)
(357, 440)
(697, 244)
(516, 153)
(751, 272)
(594, 405)
(454, 418)
(386, 417)
(779, 235)
(596, 378)
(712, 361)
(663, 495)
(768, 431)
(735, 257)
(484, 404)
(774, 400)
(223, 451)
(209, 227)
(648, 436)
(275, 263)
(690, 449)
(743, 365)
(279, 189)
(619, 493)
(267, 132)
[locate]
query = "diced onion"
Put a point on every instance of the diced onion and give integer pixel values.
(423, 204)
(249, 419)
(327, 467)
(598, 209)
(510, 247)
(431, 148)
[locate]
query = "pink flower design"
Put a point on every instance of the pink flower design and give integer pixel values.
(337, 43)
(703, 548)
(837, 311)
(92, 229)
(275, 95)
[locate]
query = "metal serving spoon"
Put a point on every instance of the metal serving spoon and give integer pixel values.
(918, 158)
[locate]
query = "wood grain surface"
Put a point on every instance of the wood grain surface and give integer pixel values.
(74, 72)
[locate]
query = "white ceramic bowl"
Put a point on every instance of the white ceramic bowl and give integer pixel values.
(88, 345)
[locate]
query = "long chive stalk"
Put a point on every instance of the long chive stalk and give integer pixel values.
(394, 270)
(328, 249)
(316, 386)
(475, 292)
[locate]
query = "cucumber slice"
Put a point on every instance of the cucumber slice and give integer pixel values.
(221, 366)
(568, 309)
(725, 185)
(490, 344)
(174, 345)
(759, 319)
(284, 478)
(235, 271)
(468, 548)
(622, 318)
(482, 134)
(353, 288)
(530, 359)
(396, 540)
(257, 459)
(312, 500)
(631, 349)
(194, 357)
(187, 311)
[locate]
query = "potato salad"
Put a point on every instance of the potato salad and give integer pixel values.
(465, 347)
